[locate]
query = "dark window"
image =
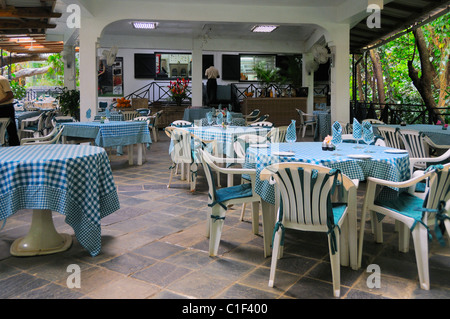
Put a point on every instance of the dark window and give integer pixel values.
(230, 67)
(144, 66)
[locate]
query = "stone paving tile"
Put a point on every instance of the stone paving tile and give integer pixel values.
(156, 247)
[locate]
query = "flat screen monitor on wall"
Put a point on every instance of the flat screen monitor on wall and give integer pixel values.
(144, 66)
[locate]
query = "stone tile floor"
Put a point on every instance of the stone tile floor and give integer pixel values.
(155, 247)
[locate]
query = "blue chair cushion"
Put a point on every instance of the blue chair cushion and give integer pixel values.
(338, 212)
(233, 192)
(421, 187)
(406, 204)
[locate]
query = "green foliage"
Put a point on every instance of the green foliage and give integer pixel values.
(56, 70)
(69, 101)
(394, 57)
(267, 76)
(19, 90)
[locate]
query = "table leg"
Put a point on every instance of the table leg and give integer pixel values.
(42, 238)
(130, 154)
(139, 154)
(268, 221)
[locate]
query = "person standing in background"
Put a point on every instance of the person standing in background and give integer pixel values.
(211, 86)
(7, 110)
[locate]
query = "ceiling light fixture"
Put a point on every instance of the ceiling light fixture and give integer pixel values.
(145, 25)
(264, 28)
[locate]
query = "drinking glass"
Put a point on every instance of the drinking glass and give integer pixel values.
(368, 139)
(291, 134)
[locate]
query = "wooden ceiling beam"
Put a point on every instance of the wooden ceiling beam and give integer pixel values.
(8, 24)
(28, 12)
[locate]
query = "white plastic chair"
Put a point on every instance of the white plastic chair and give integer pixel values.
(304, 203)
(154, 124)
(4, 122)
(221, 198)
(262, 118)
(240, 146)
(373, 121)
(33, 125)
(262, 124)
(277, 134)
(181, 123)
(305, 122)
(407, 209)
(429, 160)
(252, 116)
(415, 145)
(52, 138)
(181, 152)
(391, 137)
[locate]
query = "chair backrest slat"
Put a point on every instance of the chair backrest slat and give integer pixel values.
(439, 187)
(391, 137)
(305, 191)
(414, 143)
(181, 152)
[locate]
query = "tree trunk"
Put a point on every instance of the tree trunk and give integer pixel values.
(30, 72)
(360, 87)
(424, 82)
(23, 58)
(378, 74)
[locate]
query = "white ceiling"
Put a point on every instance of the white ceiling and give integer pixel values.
(212, 30)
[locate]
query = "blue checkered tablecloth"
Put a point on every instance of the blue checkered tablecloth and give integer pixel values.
(225, 137)
(392, 167)
(113, 116)
(114, 133)
(73, 180)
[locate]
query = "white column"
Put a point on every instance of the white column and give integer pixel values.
(340, 86)
(88, 69)
(308, 81)
(197, 75)
(69, 67)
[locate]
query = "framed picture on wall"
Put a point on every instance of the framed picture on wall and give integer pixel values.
(110, 78)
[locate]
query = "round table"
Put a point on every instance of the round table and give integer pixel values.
(73, 180)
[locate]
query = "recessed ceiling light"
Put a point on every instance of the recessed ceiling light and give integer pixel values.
(264, 28)
(145, 25)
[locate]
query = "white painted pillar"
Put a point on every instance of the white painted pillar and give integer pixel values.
(88, 69)
(308, 81)
(197, 75)
(340, 84)
(69, 67)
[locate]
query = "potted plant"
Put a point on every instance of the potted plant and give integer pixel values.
(69, 102)
(266, 77)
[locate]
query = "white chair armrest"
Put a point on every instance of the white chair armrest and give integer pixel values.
(404, 184)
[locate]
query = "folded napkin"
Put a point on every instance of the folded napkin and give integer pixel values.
(368, 132)
(220, 118)
(209, 117)
(291, 132)
(357, 129)
(229, 117)
(337, 133)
